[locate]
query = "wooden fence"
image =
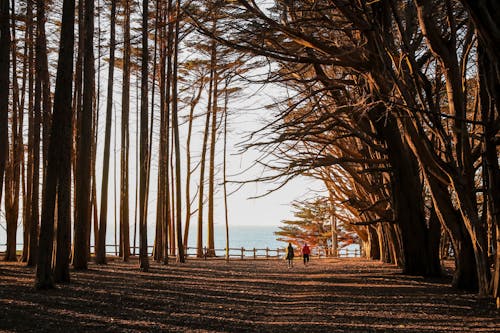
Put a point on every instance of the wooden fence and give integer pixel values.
(234, 253)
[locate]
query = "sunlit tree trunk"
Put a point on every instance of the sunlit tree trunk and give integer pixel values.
(213, 61)
(192, 106)
(211, 168)
(462, 176)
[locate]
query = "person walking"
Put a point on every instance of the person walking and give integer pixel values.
(306, 251)
(289, 255)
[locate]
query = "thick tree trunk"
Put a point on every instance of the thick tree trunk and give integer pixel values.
(61, 131)
(83, 167)
(373, 248)
(489, 86)
(461, 174)
(420, 258)
(464, 276)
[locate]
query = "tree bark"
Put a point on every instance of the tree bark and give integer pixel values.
(60, 137)
(177, 149)
(124, 152)
(83, 167)
(144, 146)
(103, 218)
(4, 88)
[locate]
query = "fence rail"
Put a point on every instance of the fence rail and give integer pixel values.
(234, 253)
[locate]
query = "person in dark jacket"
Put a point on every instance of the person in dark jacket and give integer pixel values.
(289, 255)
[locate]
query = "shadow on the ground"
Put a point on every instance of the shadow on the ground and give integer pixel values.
(241, 296)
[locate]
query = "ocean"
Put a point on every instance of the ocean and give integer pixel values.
(248, 237)
(243, 239)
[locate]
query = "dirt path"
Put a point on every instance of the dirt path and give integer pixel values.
(338, 295)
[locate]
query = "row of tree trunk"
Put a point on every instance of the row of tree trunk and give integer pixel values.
(394, 105)
(62, 145)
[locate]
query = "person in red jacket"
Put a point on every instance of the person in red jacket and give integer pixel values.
(306, 251)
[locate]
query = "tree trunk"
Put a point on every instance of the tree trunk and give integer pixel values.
(464, 276)
(12, 172)
(211, 168)
(408, 203)
(489, 89)
(32, 168)
(373, 244)
(124, 152)
(4, 88)
(177, 149)
(224, 173)
(103, 218)
(83, 167)
(143, 162)
(61, 133)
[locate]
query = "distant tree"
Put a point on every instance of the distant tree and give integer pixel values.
(313, 225)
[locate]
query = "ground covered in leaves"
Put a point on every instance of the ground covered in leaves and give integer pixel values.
(329, 295)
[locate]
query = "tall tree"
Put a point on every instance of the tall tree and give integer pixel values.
(161, 240)
(33, 162)
(177, 150)
(4, 87)
(101, 246)
(125, 137)
(144, 146)
(213, 62)
(58, 150)
(211, 167)
(11, 199)
(83, 167)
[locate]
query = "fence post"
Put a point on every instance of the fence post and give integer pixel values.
(278, 253)
(242, 252)
(267, 252)
(254, 253)
(205, 252)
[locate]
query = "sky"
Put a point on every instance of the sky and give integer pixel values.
(248, 113)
